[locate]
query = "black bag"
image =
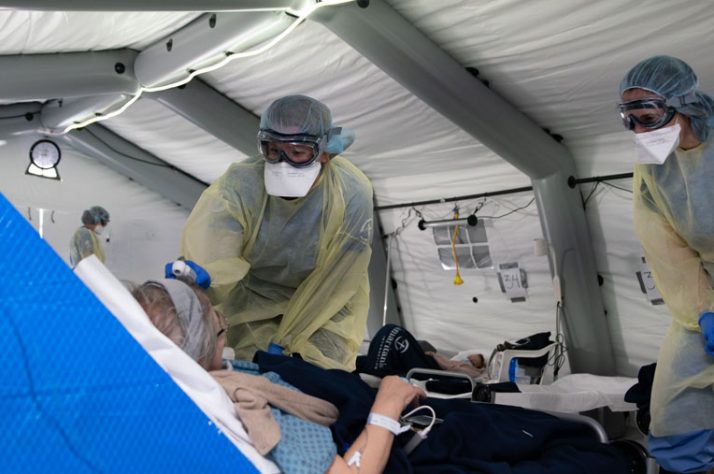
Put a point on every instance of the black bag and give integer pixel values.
(530, 343)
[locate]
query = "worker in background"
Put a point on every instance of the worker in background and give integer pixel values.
(85, 241)
(674, 219)
(286, 237)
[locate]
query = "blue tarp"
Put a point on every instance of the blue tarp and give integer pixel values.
(77, 392)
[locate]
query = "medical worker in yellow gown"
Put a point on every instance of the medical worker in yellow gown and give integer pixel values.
(673, 187)
(286, 237)
(85, 240)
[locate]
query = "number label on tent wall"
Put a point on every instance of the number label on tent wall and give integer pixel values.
(513, 281)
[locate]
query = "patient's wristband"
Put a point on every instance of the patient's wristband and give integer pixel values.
(387, 423)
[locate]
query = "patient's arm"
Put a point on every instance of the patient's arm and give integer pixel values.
(375, 442)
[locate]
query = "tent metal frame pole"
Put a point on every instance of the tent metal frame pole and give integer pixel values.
(45, 76)
(207, 39)
(92, 83)
(502, 192)
(150, 5)
(394, 45)
(215, 113)
(382, 309)
(19, 119)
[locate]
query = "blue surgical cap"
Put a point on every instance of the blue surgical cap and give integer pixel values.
(302, 115)
(95, 215)
(676, 82)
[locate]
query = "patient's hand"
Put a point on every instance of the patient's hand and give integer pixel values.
(394, 395)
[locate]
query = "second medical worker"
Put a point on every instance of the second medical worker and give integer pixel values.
(672, 186)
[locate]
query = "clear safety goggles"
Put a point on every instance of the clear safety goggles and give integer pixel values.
(297, 150)
(649, 113)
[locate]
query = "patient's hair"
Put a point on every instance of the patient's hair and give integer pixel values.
(196, 337)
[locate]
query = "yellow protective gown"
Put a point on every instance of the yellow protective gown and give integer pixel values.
(674, 219)
(293, 272)
(83, 244)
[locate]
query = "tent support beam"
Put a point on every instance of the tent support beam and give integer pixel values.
(381, 35)
(19, 119)
(47, 76)
(149, 5)
(215, 113)
(206, 40)
(136, 164)
(381, 311)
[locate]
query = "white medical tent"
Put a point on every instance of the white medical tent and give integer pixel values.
(505, 109)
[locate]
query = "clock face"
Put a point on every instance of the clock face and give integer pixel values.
(45, 154)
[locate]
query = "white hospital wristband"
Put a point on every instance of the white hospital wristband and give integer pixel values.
(387, 423)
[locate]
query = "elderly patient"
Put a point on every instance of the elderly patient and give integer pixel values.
(308, 419)
(294, 432)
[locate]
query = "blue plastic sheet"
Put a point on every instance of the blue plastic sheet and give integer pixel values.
(77, 392)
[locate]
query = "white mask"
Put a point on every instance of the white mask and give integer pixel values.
(653, 148)
(284, 180)
(98, 229)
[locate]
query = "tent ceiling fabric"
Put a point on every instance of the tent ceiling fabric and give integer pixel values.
(176, 140)
(558, 62)
(398, 135)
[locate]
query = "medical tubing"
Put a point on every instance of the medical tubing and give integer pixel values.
(421, 435)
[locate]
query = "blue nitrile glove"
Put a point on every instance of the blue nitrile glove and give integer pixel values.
(274, 348)
(188, 269)
(706, 322)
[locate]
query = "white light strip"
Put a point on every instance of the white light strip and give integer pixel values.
(101, 117)
(301, 16)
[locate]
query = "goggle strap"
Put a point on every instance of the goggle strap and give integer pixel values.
(682, 100)
(332, 132)
(271, 135)
(643, 104)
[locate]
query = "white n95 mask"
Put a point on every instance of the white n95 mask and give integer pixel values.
(653, 148)
(98, 229)
(284, 180)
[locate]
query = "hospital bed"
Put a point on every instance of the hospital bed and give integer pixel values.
(500, 368)
(595, 401)
(189, 376)
(572, 393)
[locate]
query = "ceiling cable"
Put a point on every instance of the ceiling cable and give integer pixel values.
(229, 56)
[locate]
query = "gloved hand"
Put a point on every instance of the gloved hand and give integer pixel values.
(706, 322)
(188, 269)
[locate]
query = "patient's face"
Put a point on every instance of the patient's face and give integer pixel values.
(477, 360)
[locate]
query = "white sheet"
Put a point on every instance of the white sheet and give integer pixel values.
(573, 393)
(193, 380)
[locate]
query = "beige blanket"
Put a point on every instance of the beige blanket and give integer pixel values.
(253, 396)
